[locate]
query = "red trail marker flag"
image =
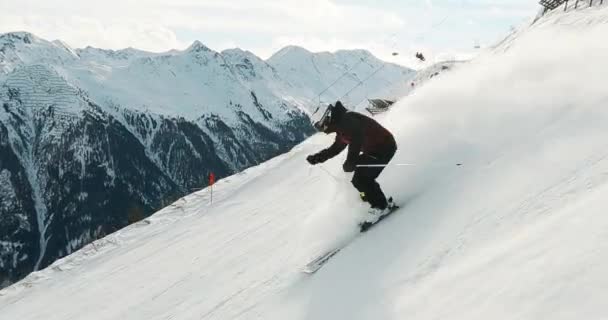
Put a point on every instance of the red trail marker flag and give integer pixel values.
(211, 183)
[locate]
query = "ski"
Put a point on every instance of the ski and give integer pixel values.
(316, 264)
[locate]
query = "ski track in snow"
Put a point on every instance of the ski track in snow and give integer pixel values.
(518, 231)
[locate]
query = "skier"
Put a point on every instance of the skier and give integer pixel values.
(368, 144)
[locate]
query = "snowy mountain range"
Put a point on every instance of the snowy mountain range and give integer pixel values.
(518, 230)
(92, 140)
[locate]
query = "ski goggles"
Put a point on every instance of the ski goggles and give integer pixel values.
(321, 122)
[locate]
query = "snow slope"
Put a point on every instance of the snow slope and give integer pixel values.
(430, 72)
(517, 231)
(190, 112)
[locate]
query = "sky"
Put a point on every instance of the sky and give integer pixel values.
(393, 30)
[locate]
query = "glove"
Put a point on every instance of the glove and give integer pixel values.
(348, 166)
(314, 159)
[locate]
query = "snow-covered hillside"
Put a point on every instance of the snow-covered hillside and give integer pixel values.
(94, 139)
(517, 231)
(431, 72)
(205, 81)
(352, 76)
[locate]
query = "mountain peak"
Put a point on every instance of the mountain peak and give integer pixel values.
(236, 51)
(294, 48)
(198, 46)
(240, 54)
(19, 36)
(291, 49)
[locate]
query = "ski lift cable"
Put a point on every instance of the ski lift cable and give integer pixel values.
(367, 94)
(432, 27)
(363, 81)
(347, 72)
(440, 23)
(422, 35)
(383, 65)
(428, 31)
(391, 83)
(394, 53)
(336, 81)
(372, 74)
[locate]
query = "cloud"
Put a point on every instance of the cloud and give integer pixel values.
(79, 31)
(147, 20)
(156, 25)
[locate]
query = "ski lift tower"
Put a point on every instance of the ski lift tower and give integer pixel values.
(551, 4)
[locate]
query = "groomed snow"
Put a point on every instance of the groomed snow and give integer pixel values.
(518, 231)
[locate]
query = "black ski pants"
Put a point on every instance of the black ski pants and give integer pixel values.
(364, 178)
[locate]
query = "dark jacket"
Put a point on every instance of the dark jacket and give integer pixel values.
(359, 132)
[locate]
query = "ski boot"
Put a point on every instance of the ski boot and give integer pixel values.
(376, 214)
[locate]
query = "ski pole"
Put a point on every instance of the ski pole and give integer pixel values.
(393, 164)
(329, 173)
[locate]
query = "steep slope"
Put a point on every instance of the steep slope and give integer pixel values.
(425, 75)
(516, 231)
(95, 139)
(76, 170)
